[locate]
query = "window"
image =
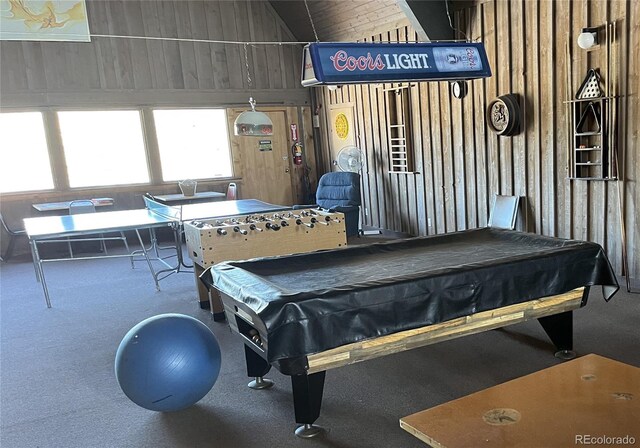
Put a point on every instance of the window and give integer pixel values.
(24, 163)
(399, 129)
(193, 143)
(103, 148)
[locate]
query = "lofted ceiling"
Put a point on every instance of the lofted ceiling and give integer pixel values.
(350, 20)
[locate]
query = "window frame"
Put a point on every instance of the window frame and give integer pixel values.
(152, 120)
(48, 143)
(57, 160)
(62, 154)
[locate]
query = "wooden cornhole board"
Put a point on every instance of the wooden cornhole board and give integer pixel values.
(581, 402)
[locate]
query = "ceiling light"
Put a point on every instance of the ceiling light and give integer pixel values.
(253, 123)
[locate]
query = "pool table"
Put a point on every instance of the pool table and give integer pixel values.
(307, 313)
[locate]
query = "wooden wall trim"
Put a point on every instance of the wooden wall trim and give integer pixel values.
(56, 152)
(148, 66)
(151, 143)
(157, 98)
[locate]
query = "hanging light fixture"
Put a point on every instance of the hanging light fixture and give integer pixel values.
(252, 123)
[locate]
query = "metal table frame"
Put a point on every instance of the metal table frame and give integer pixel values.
(39, 236)
(52, 229)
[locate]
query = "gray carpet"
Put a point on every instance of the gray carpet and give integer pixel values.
(58, 387)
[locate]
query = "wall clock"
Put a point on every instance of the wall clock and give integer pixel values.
(459, 89)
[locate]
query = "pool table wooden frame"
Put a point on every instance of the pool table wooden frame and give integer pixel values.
(555, 314)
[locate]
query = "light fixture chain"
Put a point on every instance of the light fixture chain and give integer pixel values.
(313, 27)
(246, 62)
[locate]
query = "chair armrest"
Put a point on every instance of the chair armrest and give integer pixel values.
(344, 208)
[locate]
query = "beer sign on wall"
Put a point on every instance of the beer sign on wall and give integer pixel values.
(358, 63)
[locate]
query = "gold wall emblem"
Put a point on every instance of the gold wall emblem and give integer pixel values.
(342, 126)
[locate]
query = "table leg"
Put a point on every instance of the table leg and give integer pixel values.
(37, 264)
(257, 367)
(559, 328)
(152, 246)
(215, 303)
(154, 242)
(203, 293)
(180, 262)
(307, 400)
(208, 299)
(34, 258)
(129, 251)
(146, 256)
(177, 238)
(179, 231)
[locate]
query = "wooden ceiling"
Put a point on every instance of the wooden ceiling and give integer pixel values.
(338, 20)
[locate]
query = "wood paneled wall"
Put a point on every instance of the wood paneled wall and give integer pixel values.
(127, 71)
(461, 164)
(338, 20)
(112, 72)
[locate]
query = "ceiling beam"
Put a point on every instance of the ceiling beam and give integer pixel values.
(430, 19)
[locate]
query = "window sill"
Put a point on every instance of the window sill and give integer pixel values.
(107, 190)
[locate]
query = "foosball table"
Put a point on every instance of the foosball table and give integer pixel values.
(240, 237)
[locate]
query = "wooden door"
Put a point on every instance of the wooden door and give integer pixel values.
(263, 162)
(342, 129)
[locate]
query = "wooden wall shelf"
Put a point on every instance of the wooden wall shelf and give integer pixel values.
(592, 129)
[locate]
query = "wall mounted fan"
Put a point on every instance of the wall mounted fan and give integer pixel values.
(350, 158)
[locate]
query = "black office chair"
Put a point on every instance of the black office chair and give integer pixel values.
(13, 234)
(504, 212)
(340, 192)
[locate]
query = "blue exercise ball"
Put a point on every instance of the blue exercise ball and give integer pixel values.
(168, 362)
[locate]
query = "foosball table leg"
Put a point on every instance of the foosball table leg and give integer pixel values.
(215, 304)
(208, 299)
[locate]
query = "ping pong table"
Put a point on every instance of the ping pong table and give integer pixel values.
(196, 198)
(64, 205)
(155, 215)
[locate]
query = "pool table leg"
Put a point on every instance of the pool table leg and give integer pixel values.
(559, 328)
(307, 400)
(257, 367)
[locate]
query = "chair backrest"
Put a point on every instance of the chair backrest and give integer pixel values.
(338, 189)
(504, 212)
(81, 206)
(7, 229)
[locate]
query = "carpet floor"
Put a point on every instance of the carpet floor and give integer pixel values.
(58, 387)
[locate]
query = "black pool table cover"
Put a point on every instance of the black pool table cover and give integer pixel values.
(316, 301)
